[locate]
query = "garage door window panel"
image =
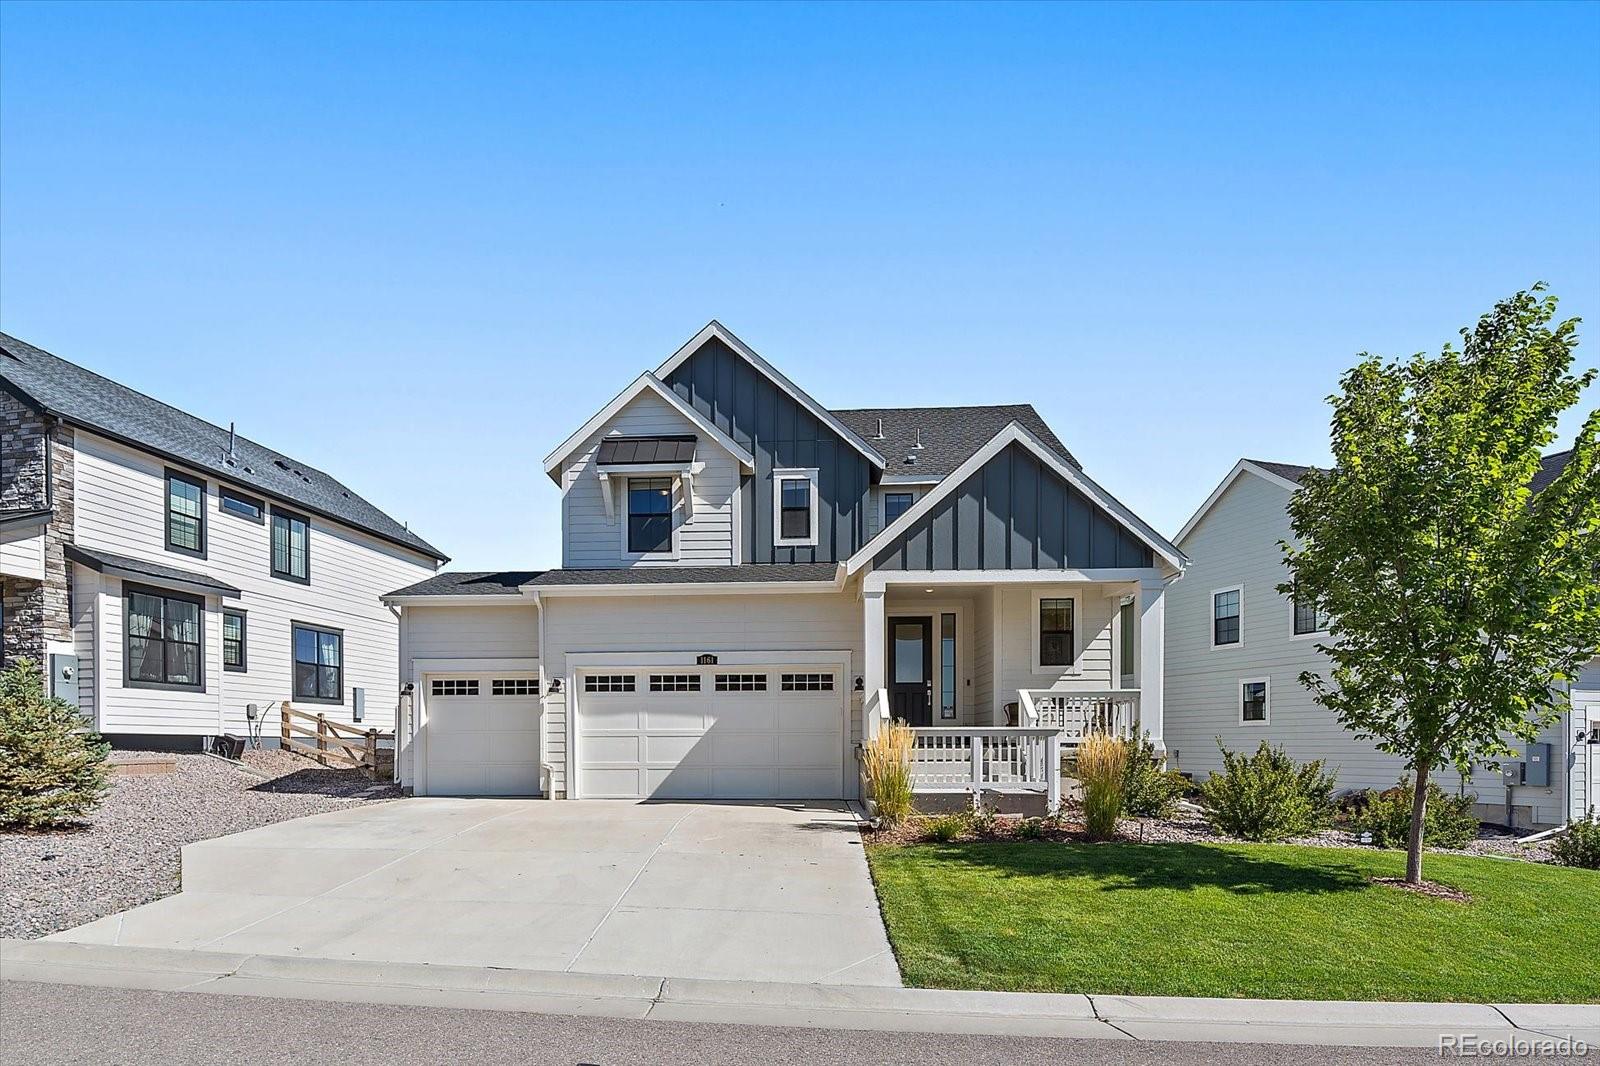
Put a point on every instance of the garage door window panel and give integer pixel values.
(609, 683)
(807, 682)
(454, 686)
(674, 682)
(514, 686)
(741, 682)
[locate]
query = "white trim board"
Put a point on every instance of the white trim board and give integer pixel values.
(1016, 433)
(822, 414)
(1243, 466)
(879, 580)
(557, 459)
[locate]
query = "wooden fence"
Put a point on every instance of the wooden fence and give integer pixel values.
(333, 743)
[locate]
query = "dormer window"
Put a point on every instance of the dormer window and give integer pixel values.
(794, 506)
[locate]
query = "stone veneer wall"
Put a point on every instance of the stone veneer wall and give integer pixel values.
(36, 612)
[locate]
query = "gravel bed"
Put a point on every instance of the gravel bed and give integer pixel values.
(127, 853)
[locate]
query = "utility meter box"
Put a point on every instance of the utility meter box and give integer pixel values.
(1536, 766)
(64, 678)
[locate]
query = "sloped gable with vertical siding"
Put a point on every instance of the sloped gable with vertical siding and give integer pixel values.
(750, 407)
(1015, 513)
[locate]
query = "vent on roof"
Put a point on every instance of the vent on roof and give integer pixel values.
(918, 445)
(280, 464)
(879, 435)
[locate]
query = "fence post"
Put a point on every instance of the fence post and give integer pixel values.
(283, 724)
(977, 772)
(369, 757)
(322, 739)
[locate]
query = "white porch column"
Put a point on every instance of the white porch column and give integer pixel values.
(875, 619)
(1150, 655)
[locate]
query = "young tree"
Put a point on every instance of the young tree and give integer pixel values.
(1458, 594)
(51, 770)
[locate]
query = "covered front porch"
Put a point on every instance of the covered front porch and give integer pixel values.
(1000, 674)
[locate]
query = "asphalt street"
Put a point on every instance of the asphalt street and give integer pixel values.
(59, 1024)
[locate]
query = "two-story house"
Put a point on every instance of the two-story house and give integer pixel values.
(169, 573)
(1236, 648)
(746, 575)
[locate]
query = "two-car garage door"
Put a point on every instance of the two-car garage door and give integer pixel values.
(742, 732)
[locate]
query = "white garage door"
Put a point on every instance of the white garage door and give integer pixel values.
(482, 735)
(728, 733)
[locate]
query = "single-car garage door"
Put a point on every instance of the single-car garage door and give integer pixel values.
(482, 735)
(730, 733)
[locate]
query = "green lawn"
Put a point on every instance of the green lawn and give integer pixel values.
(1236, 920)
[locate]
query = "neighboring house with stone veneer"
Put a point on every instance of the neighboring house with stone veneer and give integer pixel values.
(169, 573)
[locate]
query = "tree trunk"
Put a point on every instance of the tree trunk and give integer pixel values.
(1419, 811)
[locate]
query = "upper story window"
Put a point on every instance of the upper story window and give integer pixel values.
(318, 664)
(186, 514)
(164, 645)
(1307, 619)
(649, 515)
(235, 502)
(1057, 624)
(794, 505)
(291, 546)
(896, 504)
(234, 655)
(1227, 608)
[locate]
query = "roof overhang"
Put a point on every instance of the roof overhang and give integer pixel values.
(646, 382)
(1242, 467)
(152, 573)
(511, 599)
(688, 588)
(1016, 433)
(21, 519)
(719, 331)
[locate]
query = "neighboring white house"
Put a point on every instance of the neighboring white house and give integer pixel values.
(169, 573)
(748, 576)
(1236, 647)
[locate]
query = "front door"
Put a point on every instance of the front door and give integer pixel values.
(911, 670)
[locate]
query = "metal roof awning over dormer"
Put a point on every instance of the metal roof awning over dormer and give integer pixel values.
(646, 451)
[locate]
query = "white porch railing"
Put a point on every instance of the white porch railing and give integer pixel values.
(1073, 714)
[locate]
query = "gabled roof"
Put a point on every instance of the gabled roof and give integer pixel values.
(718, 330)
(87, 399)
(1015, 433)
(948, 435)
(646, 382)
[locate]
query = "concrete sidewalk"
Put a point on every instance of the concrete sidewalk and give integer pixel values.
(805, 1005)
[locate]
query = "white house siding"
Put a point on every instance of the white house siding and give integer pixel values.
(487, 632)
(85, 603)
(121, 500)
(1095, 613)
(22, 552)
(593, 539)
(1236, 543)
(674, 622)
(983, 653)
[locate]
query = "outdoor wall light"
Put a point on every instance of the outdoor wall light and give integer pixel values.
(555, 685)
(861, 684)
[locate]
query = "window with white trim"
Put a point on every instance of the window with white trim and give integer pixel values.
(794, 508)
(807, 683)
(896, 504)
(1057, 624)
(741, 682)
(1308, 619)
(674, 682)
(454, 686)
(1227, 614)
(514, 686)
(609, 683)
(1254, 697)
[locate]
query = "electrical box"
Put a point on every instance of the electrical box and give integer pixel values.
(1536, 766)
(64, 678)
(358, 704)
(1511, 773)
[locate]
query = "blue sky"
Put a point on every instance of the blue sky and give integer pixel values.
(418, 245)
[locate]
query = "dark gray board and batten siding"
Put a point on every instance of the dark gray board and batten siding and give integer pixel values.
(1015, 514)
(781, 434)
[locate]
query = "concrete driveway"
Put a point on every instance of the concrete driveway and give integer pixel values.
(751, 892)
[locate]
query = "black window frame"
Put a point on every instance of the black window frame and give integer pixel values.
(290, 517)
(167, 513)
(224, 494)
(1236, 629)
(785, 509)
(1070, 632)
(910, 498)
(642, 484)
(244, 640)
(129, 590)
(294, 680)
(1320, 620)
(1264, 703)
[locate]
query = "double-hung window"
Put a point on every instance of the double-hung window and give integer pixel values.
(1253, 700)
(291, 546)
(1308, 619)
(234, 653)
(164, 641)
(794, 507)
(1226, 611)
(318, 663)
(1056, 625)
(895, 504)
(649, 515)
(186, 514)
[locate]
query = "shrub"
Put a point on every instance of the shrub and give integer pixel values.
(985, 823)
(1147, 790)
(1266, 796)
(1450, 821)
(1579, 845)
(52, 771)
(886, 762)
(1030, 829)
(947, 827)
(1102, 761)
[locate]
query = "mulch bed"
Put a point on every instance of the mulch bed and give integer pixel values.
(1432, 889)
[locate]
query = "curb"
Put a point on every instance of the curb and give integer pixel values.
(858, 1007)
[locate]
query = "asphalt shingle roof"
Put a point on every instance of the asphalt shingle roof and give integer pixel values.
(949, 435)
(673, 575)
(83, 397)
(101, 560)
(471, 583)
(1284, 470)
(1550, 468)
